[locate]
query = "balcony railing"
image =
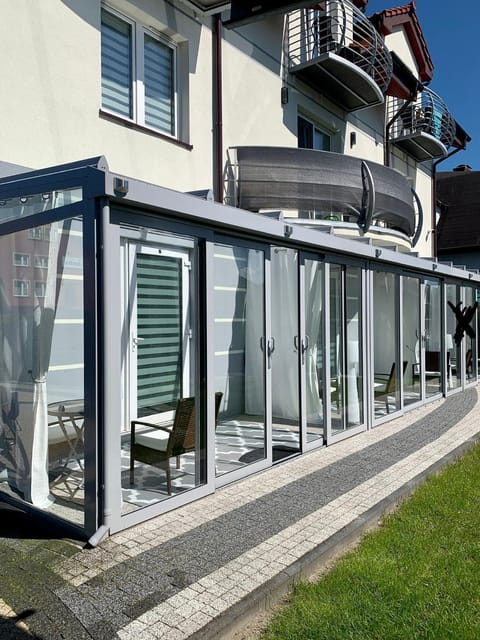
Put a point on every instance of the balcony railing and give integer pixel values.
(322, 186)
(336, 49)
(423, 128)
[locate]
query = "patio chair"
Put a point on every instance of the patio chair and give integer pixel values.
(389, 388)
(158, 443)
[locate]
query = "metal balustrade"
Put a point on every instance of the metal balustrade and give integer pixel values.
(424, 127)
(334, 47)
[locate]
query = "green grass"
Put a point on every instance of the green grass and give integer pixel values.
(417, 577)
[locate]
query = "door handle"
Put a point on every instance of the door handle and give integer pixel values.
(135, 342)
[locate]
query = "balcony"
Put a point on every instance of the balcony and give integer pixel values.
(423, 128)
(336, 50)
(330, 189)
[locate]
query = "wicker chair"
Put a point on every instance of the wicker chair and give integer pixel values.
(159, 443)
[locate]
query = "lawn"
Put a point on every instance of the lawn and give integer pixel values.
(416, 577)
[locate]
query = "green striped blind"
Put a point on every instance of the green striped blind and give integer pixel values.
(159, 328)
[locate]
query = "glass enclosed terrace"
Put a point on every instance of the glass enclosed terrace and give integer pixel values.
(156, 346)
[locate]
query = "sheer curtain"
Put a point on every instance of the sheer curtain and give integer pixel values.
(26, 329)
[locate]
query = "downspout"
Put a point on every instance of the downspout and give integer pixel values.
(217, 168)
(386, 146)
(434, 197)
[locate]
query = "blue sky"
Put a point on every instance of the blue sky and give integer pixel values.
(452, 33)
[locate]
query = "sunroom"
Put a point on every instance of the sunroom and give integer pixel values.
(156, 346)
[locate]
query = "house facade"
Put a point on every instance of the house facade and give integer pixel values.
(241, 270)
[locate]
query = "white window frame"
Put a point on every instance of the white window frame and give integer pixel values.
(18, 258)
(138, 33)
(40, 259)
(22, 283)
(44, 288)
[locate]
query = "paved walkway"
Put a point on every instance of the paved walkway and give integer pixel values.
(201, 571)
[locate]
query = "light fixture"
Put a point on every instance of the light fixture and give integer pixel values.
(46, 196)
(24, 199)
(288, 230)
(378, 253)
(353, 139)
(120, 186)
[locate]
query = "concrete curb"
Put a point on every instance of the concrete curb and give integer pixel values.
(265, 597)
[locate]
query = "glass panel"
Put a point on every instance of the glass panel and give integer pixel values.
(159, 93)
(411, 339)
(239, 317)
(471, 358)
(454, 358)
(285, 357)
(433, 342)
(353, 351)
(386, 381)
(42, 370)
(116, 65)
(337, 371)
(28, 205)
(314, 357)
(346, 387)
(161, 446)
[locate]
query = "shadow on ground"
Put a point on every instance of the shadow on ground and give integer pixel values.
(10, 629)
(18, 524)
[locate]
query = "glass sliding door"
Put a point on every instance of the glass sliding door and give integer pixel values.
(386, 384)
(345, 356)
(471, 356)
(162, 451)
(433, 337)
(411, 332)
(454, 351)
(312, 349)
(239, 357)
(284, 347)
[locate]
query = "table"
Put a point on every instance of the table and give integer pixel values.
(70, 412)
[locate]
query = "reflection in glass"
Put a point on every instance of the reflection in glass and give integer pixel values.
(411, 339)
(239, 358)
(314, 348)
(386, 385)
(285, 357)
(28, 205)
(471, 357)
(433, 342)
(161, 450)
(345, 348)
(454, 358)
(42, 368)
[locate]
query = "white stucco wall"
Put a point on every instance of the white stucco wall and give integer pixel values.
(54, 92)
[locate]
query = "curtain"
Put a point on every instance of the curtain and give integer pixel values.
(26, 329)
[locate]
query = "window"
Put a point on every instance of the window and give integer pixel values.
(41, 262)
(21, 259)
(21, 288)
(40, 289)
(138, 74)
(311, 137)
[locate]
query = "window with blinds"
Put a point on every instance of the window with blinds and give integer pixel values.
(138, 74)
(159, 330)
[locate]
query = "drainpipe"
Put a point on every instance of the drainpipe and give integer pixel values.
(434, 198)
(217, 168)
(386, 146)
